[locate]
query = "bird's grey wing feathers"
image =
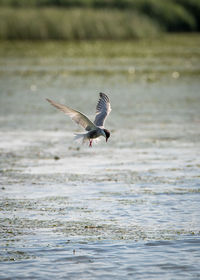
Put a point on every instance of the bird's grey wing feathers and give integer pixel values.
(102, 110)
(76, 116)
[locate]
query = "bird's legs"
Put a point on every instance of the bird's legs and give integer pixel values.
(90, 145)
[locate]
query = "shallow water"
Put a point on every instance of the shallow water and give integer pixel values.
(126, 209)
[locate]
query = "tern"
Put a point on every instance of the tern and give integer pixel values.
(94, 129)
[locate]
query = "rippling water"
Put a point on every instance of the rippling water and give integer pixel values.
(126, 209)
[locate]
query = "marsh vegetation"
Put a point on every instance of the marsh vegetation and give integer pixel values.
(78, 20)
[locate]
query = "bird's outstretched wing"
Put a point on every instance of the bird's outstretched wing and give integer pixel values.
(103, 109)
(76, 116)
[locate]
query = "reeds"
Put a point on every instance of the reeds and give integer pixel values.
(96, 19)
(74, 24)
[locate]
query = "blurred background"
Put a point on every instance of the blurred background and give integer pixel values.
(125, 209)
(96, 19)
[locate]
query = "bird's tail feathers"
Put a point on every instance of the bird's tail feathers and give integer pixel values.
(83, 137)
(80, 136)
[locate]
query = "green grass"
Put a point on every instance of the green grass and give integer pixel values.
(168, 45)
(96, 19)
(170, 15)
(74, 24)
(193, 6)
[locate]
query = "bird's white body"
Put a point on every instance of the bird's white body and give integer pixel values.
(94, 129)
(92, 134)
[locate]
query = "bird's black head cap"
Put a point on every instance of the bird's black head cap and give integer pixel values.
(107, 133)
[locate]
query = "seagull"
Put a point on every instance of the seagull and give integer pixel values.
(94, 129)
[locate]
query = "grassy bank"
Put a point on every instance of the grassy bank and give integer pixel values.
(96, 19)
(173, 15)
(74, 24)
(173, 45)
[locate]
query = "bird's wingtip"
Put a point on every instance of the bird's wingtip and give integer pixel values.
(103, 95)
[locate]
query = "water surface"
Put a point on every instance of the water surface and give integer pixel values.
(126, 209)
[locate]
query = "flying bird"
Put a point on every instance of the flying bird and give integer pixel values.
(94, 129)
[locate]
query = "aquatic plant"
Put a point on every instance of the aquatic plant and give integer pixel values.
(96, 19)
(73, 24)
